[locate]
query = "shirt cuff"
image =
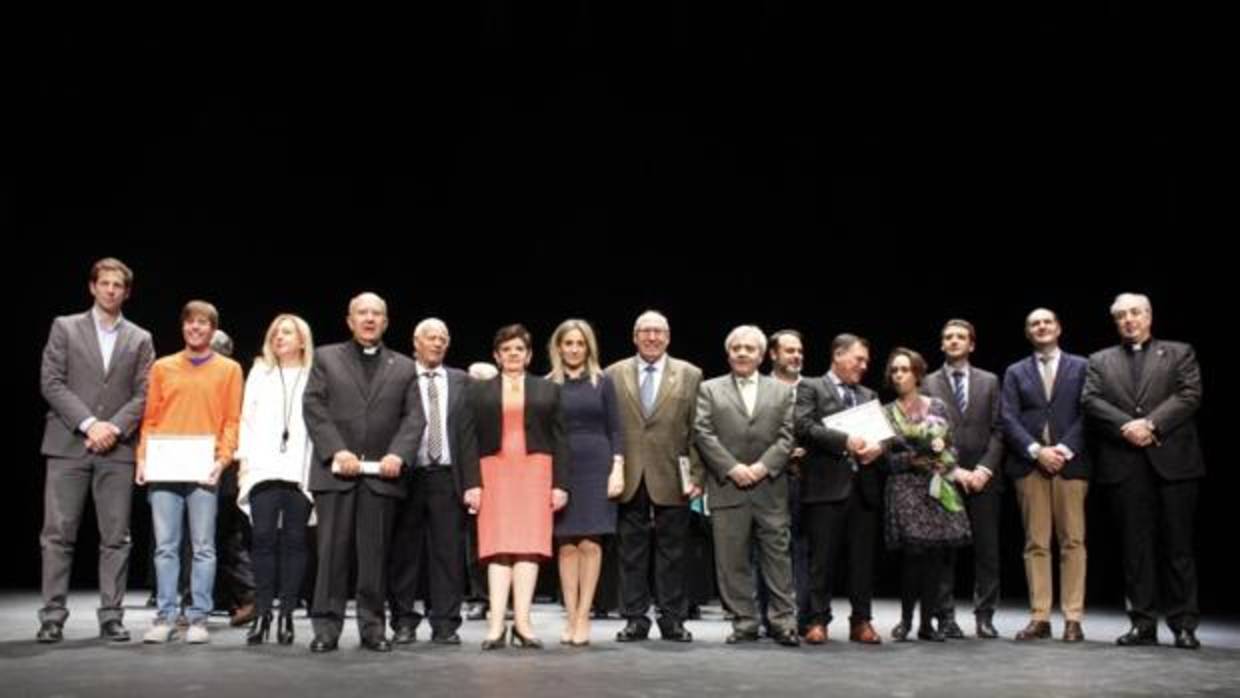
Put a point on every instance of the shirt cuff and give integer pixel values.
(1033, 450)
(87, 424)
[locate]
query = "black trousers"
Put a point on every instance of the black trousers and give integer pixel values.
(234, 571)
(1156, 523)
(830, 526)
(921, 581)
(984, 509)
(670, 525)
(280, 511)
(354, 525)
(428, 540)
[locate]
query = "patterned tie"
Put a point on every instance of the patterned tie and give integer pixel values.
(1048, 385)
(647, 391)
(850, 395)
(962, 400)
(748, 394)
(434, 438)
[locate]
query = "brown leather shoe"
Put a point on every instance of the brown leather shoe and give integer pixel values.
(243, 614)
(1072, 631)
(1036, 630)
(816, 635)
(864, 633)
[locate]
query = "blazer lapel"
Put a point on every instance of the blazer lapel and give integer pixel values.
(734, 392)
(385, 361)
(944, 387)
(1154, 358)
(90, 340)
(671, 378)
(353, 364)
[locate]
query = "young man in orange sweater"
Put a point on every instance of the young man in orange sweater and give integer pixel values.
(194, 392)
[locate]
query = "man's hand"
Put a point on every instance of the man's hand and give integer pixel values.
(1050, 460)
(869, 454)
(347, 464)
(214, 478)
(101, 437)
(139, 473)
(389, 467)
(1138, 433)
(757, 471)
(473, 499)
(740, 476)
(559, 498)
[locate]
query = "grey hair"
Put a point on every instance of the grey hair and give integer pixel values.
(1140, 299)
(432, 323)
(746, 330)
(651, 317)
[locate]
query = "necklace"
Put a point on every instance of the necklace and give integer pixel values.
(286, 397)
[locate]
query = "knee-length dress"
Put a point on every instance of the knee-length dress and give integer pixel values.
(592, 421)
(515, 516)
(914, 519)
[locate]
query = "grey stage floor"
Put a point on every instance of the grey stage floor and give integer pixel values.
(83, 665)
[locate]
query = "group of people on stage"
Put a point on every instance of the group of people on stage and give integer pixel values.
(400, 459)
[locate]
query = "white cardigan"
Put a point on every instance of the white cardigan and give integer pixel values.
(262, 425)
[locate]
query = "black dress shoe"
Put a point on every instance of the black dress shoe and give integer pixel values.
(787, 638)
(737, 637)
(524, 641)
(633, 632)
(1137, 637)
(405, 635)
(676, 633)
(1186, 639)
(49, 632)
(986, 629)
(450, 639)
(113, 631)
(322, 643)
(695, 612)
(496, 643)
(376, 644)
(930, 633)
(950, 629)
(900, 632)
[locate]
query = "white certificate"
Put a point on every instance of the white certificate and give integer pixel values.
(686, 478)
(867, 420)
(179, 458)
(369, 467)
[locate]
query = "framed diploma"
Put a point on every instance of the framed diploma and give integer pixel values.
(867, 420)
(171, 458)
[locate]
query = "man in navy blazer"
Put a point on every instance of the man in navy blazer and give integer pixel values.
(1143, 395)
(1043, 423)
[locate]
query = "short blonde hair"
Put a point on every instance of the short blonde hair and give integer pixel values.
(269, 359)
(553, 348)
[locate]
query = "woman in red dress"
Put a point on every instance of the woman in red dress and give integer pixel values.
(524, 472)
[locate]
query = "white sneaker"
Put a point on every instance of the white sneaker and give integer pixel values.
(197, 634)
(159, 632)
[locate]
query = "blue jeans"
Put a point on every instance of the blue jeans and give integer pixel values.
(168, 504)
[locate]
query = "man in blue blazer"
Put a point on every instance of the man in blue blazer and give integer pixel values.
(1043, 423)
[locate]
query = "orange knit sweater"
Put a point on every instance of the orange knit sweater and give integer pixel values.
(184, 399)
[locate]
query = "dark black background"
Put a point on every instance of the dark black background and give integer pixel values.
(808, 167)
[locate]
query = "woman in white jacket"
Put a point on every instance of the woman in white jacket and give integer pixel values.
(274, 452)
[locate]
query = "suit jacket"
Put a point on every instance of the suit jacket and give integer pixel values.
(1025, 411)
(1169, 395)
(343, 412)
(653, 446)
(728, 435)
(76, 387)
(827, 472)
(462, 435)
(977, 434)
(544, 422)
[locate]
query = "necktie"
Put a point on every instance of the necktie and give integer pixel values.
(850, 395)
(1048, 385)
(647, 391)
(748, 395)
(962, 400)
(434, 438)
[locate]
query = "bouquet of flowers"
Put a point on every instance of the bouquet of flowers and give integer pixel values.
(929, 440)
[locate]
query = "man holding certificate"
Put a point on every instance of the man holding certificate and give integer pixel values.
(839, 485)
(364, 413)
(189, 434)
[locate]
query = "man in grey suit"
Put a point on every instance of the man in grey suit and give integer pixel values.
(361, 405)
(1143, 396)
(972, 397)
(94, 374)
(657, 395)
(744, 435)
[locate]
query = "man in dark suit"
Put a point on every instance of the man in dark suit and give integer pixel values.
(744, 435)
(430, 521)
(94, 376)
(1043, 424)
(361, 406)
(972, 399)
(839, 490)
(657, 395)
(1144, 395)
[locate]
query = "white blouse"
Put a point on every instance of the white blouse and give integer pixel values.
(271, 406)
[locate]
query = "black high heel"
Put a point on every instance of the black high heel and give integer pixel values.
(284, 632)
(496, 643)
(260, 629)
(529, 643)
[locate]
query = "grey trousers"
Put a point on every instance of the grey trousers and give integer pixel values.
(734, 529)
(69, 480)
